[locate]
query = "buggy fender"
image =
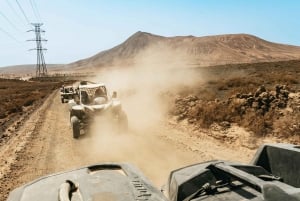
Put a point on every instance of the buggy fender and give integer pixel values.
(77, 110)
(116, 106)
(71, 103)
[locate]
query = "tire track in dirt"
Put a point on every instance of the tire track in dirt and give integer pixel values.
(13, 157)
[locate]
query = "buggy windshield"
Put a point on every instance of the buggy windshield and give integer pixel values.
(87, 95)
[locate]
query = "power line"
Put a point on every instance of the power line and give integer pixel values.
(34, 11)
(12, 37)
(23, 11)
(15, 12)
(34, 3)
(37, 10)
(6, 18)
(9, 35)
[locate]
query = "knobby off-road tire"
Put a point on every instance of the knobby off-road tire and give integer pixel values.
(75, 127)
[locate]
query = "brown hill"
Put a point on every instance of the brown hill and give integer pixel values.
(146, 48)
(27, 69)
(18, 69)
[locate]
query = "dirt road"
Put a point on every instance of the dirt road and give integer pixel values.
(45, 145)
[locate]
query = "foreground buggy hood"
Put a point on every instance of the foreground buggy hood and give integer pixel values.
(273, 175)
(93, 183)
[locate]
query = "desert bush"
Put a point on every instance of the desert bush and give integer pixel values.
(2, 115)
(259, 123)
(257, 111)
(288, 126)
(28, 102)
(208, 112)
(15, 109)
(14, 94)
(206, 94)
(220, 97)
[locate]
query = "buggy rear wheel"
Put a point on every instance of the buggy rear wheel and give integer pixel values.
(75, 127)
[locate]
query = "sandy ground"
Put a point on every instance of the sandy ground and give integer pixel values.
(45, 145)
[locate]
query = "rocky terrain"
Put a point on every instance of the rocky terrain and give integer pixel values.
(264, 100)
(258, 112)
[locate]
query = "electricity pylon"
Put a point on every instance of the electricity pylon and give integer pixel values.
(41, 69)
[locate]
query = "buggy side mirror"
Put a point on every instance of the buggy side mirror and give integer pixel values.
(114, 95)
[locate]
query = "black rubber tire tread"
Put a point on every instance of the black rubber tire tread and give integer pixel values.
(75, 127)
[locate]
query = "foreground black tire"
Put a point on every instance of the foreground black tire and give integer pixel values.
(123, 122)
(75, 127)
(62, 100)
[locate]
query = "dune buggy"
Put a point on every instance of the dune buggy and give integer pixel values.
(66, 93)
(92, 100)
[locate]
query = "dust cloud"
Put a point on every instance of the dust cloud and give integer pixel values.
(146, 88)
(145, 91)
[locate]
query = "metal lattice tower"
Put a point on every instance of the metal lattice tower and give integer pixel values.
(41, 69)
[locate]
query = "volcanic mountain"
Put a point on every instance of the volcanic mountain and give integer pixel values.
(148, 48)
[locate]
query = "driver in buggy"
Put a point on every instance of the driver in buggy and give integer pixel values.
(62, 88)
(85, 97)
(100, 96)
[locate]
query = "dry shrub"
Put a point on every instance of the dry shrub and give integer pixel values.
(214, 112)
(260, 124)
(211, 112)
(29, 102)
(206, 94)
(288, 126)
(223, 83)
(240, 85)
(278, 77)
(223, 87)
(3, 114)
(205, 113)
(15, 109)
(16, 93)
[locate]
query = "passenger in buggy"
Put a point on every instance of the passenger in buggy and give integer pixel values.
(100, 97)
(84, 97)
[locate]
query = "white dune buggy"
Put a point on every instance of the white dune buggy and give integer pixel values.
(92, 100)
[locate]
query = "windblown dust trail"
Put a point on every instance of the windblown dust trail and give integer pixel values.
(146, 93)
(143, 97)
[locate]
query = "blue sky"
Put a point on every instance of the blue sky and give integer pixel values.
(77, 29)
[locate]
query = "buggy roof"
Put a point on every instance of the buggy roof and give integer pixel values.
(87, 86)
(68, 87)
